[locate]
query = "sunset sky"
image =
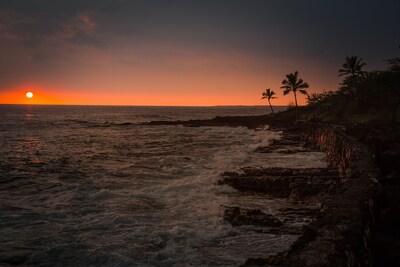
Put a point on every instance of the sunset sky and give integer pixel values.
(189, 52)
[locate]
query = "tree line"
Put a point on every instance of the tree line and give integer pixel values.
(362, 95)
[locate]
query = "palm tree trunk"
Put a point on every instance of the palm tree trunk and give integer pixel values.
(295, 100)
(271, 106)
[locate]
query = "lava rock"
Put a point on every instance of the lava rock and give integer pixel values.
(237, 217)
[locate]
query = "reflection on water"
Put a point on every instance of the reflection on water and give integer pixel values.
(27, 156)
(28, 116)
(29, 143)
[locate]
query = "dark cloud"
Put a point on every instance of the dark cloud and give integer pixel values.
(312, 26)
(319, 32)
(32, 23)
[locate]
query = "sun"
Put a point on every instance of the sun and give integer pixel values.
(29, 94)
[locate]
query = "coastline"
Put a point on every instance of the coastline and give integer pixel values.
(341, 232)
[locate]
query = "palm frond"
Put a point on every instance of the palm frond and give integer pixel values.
(303, 85)
(268, 94)
(292, 83)
(352, 66)
(304, 92)
(287, 91)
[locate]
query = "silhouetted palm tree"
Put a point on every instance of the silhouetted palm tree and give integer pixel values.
(353, 66)
(269, 94)
(293, 84)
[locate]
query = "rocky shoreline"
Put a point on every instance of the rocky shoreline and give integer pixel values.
(251, 122)
(342, 231)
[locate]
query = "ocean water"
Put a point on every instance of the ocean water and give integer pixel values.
(92, 186)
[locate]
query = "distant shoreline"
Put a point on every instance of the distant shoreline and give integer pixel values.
(105, 105)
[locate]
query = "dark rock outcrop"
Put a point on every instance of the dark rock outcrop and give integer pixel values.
(250, 122)
(237, 217)
(384, 142)
(290, 143)
(342, 235)
(284, 182)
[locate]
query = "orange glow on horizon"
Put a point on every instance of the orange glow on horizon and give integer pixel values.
(167, 97)
(184, 79)
(21, 96)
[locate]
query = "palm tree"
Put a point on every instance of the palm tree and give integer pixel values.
(353, 66)
(269, 94)
(293, 84)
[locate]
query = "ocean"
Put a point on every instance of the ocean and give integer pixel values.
(93, 186)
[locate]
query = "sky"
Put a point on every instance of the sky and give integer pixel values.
(187, 52)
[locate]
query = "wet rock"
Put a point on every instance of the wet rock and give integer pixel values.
(285, 150)
(275, 186)
(290, 143)
(251, 122)
(16, 259)
(300, 211)
(255, 262)
(283, 182)
(310, 232)
(249, 171)
(340, 236)
(237, 217)
(273, 260)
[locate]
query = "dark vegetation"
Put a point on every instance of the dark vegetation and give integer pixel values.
(363, 97)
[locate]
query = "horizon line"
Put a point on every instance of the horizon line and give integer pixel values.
(113, 105)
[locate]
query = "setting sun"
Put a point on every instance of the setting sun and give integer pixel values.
(29, 95)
